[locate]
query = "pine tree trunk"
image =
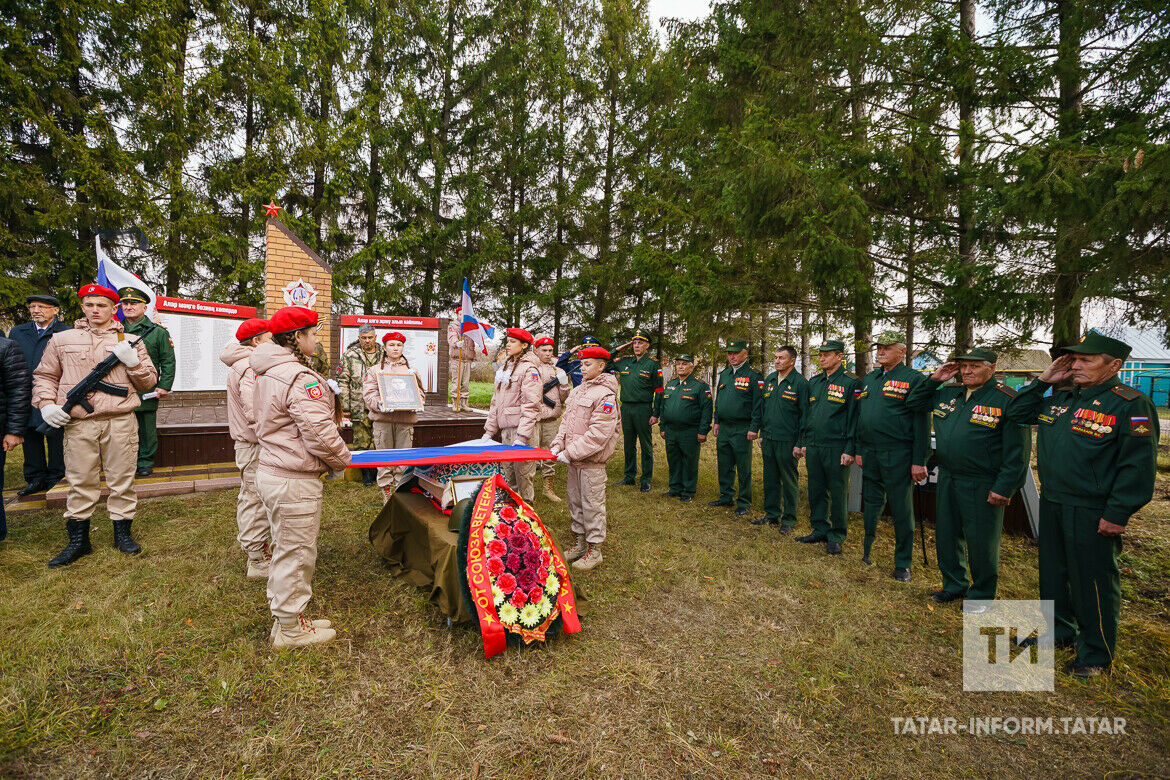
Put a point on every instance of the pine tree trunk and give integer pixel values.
(1066, 303)
(964, 333)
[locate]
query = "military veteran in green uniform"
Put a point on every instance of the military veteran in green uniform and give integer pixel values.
(828, 447)
(358, 358)
(683, 410)
(1097, 455)
(785, 406)
(739, 406)
(640, 379)
(982, 460)
(162, 354)
(893, 444)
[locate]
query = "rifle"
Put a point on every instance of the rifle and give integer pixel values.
(95, 382)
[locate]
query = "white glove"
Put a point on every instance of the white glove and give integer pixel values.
(562, 377)
(563, 458)
(55, 416)
(336, 388)
(126, 352)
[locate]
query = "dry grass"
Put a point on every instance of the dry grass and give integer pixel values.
(711, 648)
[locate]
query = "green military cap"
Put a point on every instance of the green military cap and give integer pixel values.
(978, 353)
(133, 294)
(686, 358)
(739, 345)
(640, 335)
(1095, 343)
(889, 338)
(832, 345)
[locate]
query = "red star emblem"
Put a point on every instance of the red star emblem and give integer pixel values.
(271, 208)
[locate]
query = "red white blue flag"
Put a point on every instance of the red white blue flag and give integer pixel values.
(479, 332)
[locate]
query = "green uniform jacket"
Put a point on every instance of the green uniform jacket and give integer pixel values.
(740, 397)
(832, 411)
(885, 420)
(785, 407)
(162, 354)
(640, 379)
(1096, 446)
(685, 404)
(972, 436)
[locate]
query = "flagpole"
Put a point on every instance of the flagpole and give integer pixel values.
(459, 374)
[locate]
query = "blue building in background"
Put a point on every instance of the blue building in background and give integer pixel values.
(1148, 366)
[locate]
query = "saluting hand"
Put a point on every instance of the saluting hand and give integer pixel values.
(1106, 528)
(946, 372)
(995, 499)
(1059, 371)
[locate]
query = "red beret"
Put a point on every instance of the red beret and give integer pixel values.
(394, 335)
(250, 328)
(541, 342)
(594, 352)
(519, 334)
(97, 289)
(291, 318)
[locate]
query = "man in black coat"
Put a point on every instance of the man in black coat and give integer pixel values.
(44, 454)
(15, 387)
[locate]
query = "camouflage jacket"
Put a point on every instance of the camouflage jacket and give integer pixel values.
(354, 362)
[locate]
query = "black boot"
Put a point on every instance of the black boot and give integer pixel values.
(122, 539)
(78, 546)
(369, 477)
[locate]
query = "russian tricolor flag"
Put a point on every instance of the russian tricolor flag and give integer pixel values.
(114, 276)
(479, 332)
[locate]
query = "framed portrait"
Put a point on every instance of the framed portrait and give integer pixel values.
(399, 392)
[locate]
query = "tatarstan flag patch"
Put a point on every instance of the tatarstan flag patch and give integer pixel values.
(314, 391)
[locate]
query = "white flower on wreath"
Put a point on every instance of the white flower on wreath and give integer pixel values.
(530, 616)
(509, 614)
(544, 607)
(552, 585)
(497, 594)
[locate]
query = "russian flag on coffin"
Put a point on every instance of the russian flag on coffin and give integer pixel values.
(489, 452)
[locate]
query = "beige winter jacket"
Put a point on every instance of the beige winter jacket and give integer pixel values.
(374, 400)
(69, 357)
(516, 401)
(588, 432)
(294, 416)
(548, 371)
(455, 344)
(241, 384)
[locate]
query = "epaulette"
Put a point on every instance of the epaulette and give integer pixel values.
(1008, 391)
(1127, 392)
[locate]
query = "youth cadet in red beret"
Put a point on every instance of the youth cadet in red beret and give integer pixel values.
(251, 519)
(105, 439)
(515, 407)
(392, 430)
(585, 441)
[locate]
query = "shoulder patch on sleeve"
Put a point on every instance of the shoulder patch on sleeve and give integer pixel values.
(313, 389)
(534, 374)
(1008, 391)
(1140, 426)
(607, 407)
(1127, 392)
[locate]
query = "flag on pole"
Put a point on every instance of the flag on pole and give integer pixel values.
(479, 332)
(114, 276)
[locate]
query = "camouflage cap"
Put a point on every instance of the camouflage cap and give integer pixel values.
(889, 338)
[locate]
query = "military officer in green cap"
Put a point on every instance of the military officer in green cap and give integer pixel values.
(684, 420)
(893, 443)
(785, 406)
(739, 405)
(162, 354)
(827, 446)
(1097, 454)
(640, 379)
(982, 460)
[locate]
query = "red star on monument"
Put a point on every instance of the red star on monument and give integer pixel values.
(271, 208)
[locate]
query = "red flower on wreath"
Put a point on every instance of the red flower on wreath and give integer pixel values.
(522, 527)
(535, 594)
(495, 567)
(503, 529)
(541, 574)
(508, 513)
(507, 582)
(518, 599)
(545, 559)
(496, 548)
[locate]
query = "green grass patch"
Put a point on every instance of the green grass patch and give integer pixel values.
(711, 648)
(480, 394)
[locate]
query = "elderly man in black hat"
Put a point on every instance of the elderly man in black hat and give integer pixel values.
(44, 454)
